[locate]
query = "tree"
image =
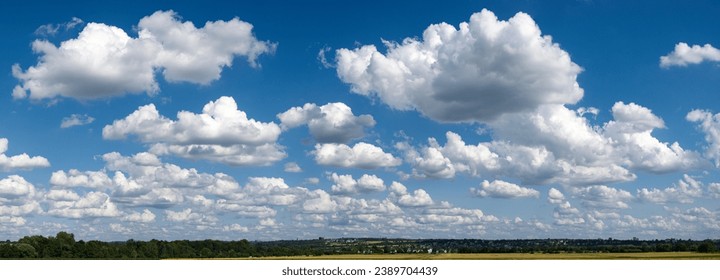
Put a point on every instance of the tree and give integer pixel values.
(707, 246)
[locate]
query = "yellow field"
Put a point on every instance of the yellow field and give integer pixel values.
(538, 256)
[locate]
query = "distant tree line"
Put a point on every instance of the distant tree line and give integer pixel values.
(64, 246)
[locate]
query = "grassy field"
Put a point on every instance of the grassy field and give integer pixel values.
(510, 256)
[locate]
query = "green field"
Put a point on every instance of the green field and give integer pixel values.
(516, 256)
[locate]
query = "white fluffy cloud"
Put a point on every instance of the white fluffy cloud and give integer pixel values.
(91, 205)
(555, 196)
(476, 72)
(361, 155)
(188, 216)
(146, 216)
(221, 133)
(220, 123)
(564, 213)
(502, 189)
(345, 184)
(685, 54)
(455, 216)
(320, 202)
(21, 161)
(18, 198)
(600, 196)
(714, 190)
(76, 120)
(75, 178)
(292, 167)
(329, 123)
(241, 155)
(554, 144)
(418, 198)
(710, 125)
(637, 148)
(684, 191)
(104, 61)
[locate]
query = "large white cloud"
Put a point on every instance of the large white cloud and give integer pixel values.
(104, 61)
(21, 161)
(554, 144)
(221, 133)
(198, 55)
(476, 72)
(361, 155)
(633, 143)
(329, 123)
(683, 54)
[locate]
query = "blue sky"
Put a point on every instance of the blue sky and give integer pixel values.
(273, 120)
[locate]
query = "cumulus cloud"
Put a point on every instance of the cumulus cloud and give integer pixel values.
(21, 161)
(75, 178)
(329, 123)
(564, 213)
(683, 55)
(554, 144)
(272, 191)
(239, 155)
(145, 217)
(418, 198)
(555, 196)
(361, 155)
(91, 205)
(320, 203)
(502, 189)
(455, 216)
(236, 227)
(710, 125)
(684, 191)
(600, 196)
(292, 167)
(631, 130)
(221, 133)
(436, 161)
(484, 68)
(76, 120)
(18, 198)
(104, 61)
(141, 180)
(714, 190)
(188, 216)
(345, 184)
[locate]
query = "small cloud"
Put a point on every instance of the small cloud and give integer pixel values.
(685, 54)
(502, 189)
(76, 120)
(323, 60)
(292, 167)
(21, 161)
(48, 30)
